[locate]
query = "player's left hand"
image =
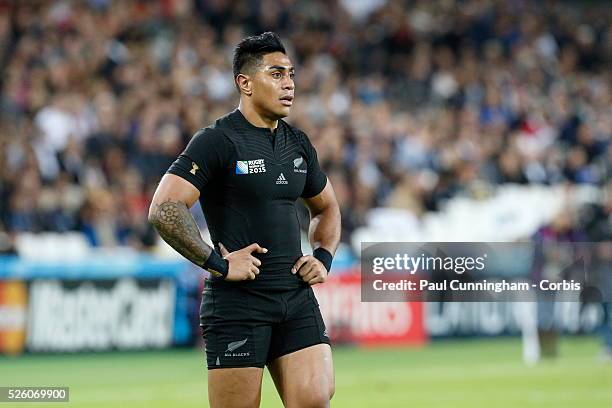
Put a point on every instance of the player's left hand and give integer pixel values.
(310, 269)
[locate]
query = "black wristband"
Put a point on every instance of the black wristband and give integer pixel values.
(216, 265)
(324, 256)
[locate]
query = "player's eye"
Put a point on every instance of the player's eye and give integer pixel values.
(292, 75)
(277, 75)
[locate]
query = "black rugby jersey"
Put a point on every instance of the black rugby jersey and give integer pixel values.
(249, 180)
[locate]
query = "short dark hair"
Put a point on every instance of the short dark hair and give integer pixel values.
(249, 52)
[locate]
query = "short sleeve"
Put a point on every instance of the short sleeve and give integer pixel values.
(207, 156)
(315, 178)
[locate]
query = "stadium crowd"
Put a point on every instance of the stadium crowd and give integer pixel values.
(408, 103)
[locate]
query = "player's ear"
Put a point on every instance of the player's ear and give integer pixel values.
(244, 84)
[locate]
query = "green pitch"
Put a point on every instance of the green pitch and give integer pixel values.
(483, 373)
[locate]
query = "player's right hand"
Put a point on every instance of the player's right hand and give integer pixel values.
(242, 265)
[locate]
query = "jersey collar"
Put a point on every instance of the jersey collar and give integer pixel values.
(240, 117)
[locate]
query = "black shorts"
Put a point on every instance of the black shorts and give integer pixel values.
(246, 327)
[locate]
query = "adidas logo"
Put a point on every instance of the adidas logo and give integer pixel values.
(281, 179)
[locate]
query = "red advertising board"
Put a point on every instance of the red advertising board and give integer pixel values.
(350, 320)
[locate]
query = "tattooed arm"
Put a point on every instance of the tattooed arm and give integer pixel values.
(169, 214)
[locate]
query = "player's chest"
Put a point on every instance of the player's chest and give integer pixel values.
(268, 172)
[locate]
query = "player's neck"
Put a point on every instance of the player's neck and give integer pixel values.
(257, 119)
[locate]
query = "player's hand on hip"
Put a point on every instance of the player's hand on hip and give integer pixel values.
(310, 269)
(242, 265)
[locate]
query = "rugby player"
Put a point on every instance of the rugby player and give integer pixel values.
(247, 170)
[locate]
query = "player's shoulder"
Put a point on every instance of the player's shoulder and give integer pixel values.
(299, 135)
(212, 138)
(216, 132)
(209, 133)
(225, 122)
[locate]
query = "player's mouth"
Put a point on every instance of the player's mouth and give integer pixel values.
(287, 100)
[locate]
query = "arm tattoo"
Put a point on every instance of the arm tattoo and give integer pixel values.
(176, 226)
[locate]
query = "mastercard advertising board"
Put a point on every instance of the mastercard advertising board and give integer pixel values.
(13, 310)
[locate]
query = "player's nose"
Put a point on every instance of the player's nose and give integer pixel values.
(288, 84)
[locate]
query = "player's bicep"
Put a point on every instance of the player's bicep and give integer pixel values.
(316, 179)
(322, 201)
(175, 188)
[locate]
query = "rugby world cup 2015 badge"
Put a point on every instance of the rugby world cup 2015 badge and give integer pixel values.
(250, 166)
(242, 167)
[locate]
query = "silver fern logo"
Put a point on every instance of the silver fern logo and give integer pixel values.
(298, 165)
(234, 345)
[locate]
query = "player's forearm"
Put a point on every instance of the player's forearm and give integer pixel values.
(324, 229)
(176, 226)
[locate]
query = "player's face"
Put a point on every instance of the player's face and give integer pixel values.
(273, 86)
